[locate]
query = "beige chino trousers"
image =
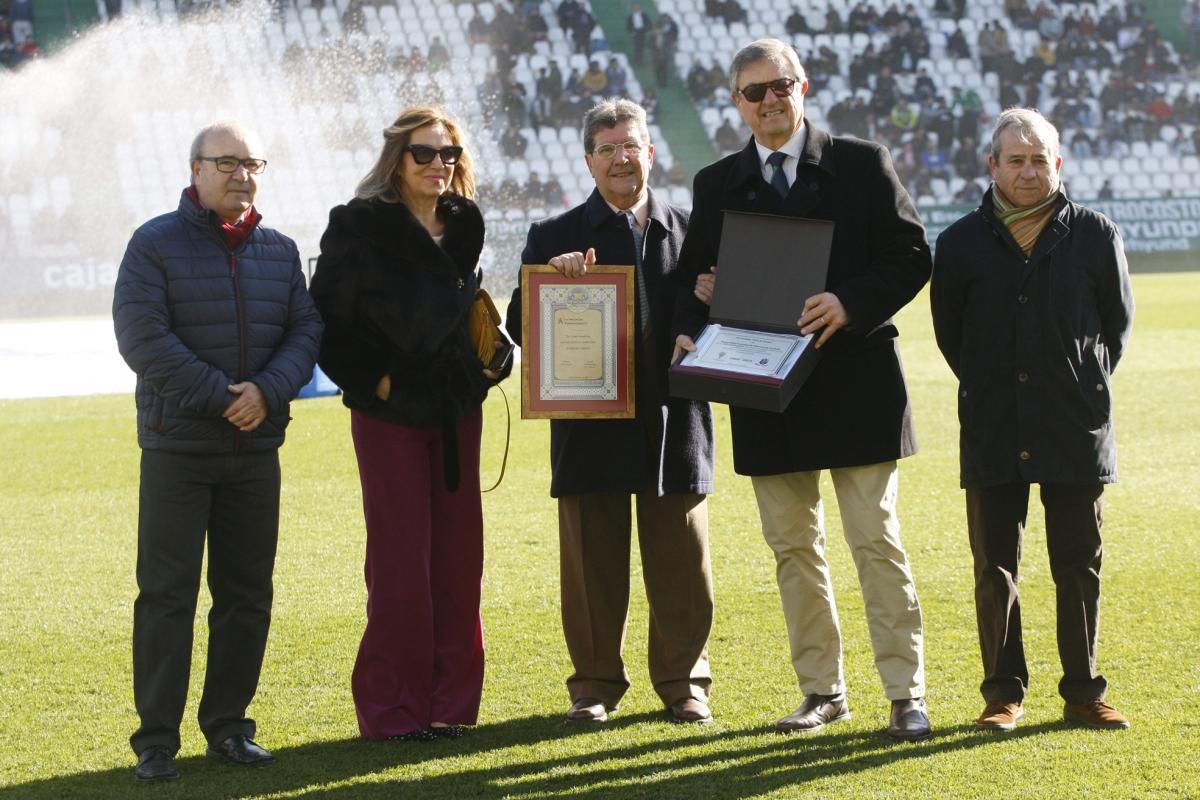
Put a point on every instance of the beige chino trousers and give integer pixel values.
(792, 514)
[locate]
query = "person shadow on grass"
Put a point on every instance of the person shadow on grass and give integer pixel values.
(714, 762)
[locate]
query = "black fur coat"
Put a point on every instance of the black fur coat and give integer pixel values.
(395, 303)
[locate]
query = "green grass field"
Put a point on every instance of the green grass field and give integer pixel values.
(67, 552)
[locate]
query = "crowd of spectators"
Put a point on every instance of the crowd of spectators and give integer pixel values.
(1103, 81)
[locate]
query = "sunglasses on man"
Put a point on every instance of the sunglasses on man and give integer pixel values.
(423, 153)
(780, 87)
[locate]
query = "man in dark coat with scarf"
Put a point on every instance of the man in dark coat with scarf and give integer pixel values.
(1032, 309)
(851, 416)
(663, 457)
(211, 312)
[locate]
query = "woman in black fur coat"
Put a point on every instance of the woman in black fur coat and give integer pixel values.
(396, 276)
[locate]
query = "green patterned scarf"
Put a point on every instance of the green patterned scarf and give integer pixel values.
(1025, 224)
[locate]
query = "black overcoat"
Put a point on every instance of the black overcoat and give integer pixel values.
(668, 447)
(1033, 342)
(853, 409)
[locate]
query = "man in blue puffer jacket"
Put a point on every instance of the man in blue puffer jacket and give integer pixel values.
(212, 313)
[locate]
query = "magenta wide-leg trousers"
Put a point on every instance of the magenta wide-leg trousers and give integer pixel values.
(421, 656)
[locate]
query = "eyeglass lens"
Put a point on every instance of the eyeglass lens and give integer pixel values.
(780, 87)
(609, 150)
(230, 164)
(423, 153)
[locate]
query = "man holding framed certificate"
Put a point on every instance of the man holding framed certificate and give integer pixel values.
(661, 456)
(851, 415)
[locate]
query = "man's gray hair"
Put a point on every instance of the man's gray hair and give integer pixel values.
(609, 114)
(1029, 123)
(779, 53)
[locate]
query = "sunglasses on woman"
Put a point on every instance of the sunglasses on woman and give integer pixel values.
(755, 92)
(423, 153)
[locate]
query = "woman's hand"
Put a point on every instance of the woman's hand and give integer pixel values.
(383, 389)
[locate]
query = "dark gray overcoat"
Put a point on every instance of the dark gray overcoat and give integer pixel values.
(853, 409)
(1033, 342)
(668, 447)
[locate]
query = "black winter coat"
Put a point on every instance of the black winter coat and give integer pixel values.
(853, 409)
(192, 318)
(1033, 342)
(395, 303)
(668, 447)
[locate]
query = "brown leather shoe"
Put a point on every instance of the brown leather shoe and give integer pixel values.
(817, 711)
(1095, 714)
(1000, 717)
(690, 710)
(588, 709)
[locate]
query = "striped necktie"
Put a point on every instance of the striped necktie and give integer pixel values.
(640, 279)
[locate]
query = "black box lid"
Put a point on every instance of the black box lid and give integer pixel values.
(768, 265)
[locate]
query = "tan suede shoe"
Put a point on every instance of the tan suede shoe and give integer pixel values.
(1095, 714)
(1000, 717)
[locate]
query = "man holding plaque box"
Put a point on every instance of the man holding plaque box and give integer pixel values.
(851, 415)
(662, 458)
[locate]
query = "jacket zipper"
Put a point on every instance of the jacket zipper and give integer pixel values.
(241, 326)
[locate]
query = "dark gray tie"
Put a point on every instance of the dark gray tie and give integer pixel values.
(779, 181)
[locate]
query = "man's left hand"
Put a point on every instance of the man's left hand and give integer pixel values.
(823, 312)
(249, 407)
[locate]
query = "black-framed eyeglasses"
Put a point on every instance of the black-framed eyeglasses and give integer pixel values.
(254, 166)
(780, 87)
(423, 153)
(609, 149)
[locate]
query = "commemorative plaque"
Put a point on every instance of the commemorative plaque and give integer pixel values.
(577, 337)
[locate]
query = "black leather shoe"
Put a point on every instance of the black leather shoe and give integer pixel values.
(240, 749)
(155, 764)
(817, 711)
(909, 720)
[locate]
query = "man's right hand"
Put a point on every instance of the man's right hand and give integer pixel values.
(574, 265)
(705, 282)
(682, 344)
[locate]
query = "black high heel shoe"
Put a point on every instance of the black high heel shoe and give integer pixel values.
(448, 731)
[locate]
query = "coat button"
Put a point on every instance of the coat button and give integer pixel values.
(752, 195)
(1022, 376)
(1099, 387)
(1022, 299)
(1025, 456)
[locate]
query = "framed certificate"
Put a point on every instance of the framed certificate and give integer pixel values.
(577, 339)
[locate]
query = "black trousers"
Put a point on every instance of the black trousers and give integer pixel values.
(234, 499)
(996, 524)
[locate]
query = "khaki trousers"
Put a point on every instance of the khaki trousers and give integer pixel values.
(793, 525)
(594, 538)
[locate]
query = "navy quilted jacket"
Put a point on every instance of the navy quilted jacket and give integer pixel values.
(192, 318)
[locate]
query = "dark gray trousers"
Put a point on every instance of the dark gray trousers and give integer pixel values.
(234, 500)
(996, 524)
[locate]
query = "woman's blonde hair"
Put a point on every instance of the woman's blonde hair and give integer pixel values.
(384, 181)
